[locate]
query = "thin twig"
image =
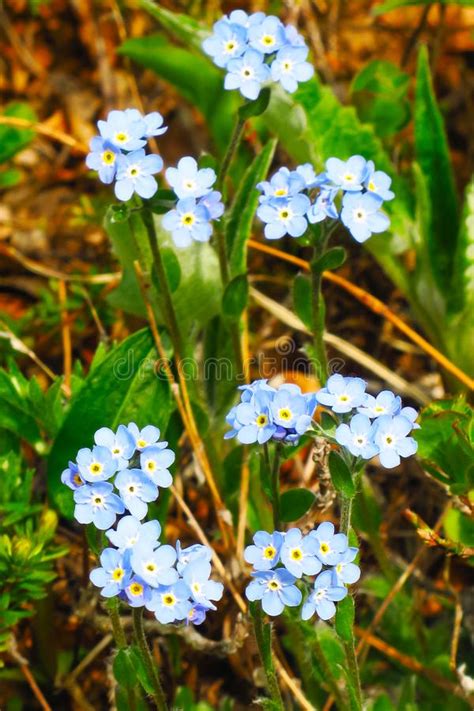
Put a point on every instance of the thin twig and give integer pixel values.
(65, 334)
(25, 670)
(88, 659)
(243, 504)
(378, 307)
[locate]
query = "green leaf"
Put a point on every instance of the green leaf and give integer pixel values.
(235, 296)
(345, 616)
(302, 299)
(256, 107)
(444, 445)
(239, 221)
(172, 268)
(432, 154)
(459, 528)
(294, 503)
(379, 92)
(122, 388)
(332, 259)
(340, 475)
(14, 139)
(395, 4)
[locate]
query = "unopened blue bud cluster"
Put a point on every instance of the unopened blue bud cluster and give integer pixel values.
(173, 583)
(292, 198)
(284, 563)
(258, 49)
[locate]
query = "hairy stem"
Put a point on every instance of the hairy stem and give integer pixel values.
(112, 605)
(275, 481)
(263, 635)
(158, 694)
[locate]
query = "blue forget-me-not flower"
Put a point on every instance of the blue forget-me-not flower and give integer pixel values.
(321, 600)
(264, 554)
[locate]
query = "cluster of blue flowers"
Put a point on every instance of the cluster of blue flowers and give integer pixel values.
(286, 208)
(280, 560)
(118, 153)
(378, 426)
(197, 203)
(138, 461)
(174, 583)
(255, 49)
(264, 412)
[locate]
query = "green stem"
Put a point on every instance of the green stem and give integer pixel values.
(349, 647)
(263, 635)
(345, 518)
(318, 309)
(234, 326)
(158, 694)
(162, 279)
(273, 470)
(275, 482)
(235, 139)
(118, 633)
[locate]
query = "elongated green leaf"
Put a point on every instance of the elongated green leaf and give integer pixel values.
(395, 4)
(122, 388)
(332, 259)
(183, 27)
(13, 139)
(255, 107)
(340, 475)
(239, 221)
(294, 503)
(345, 616)
(302, 299)
(432, 154)
(462, 288)
(235, 296)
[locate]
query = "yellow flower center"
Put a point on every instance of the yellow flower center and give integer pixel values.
(118, 574)
(108, 157)
(268, 40)
(281, 192)
(343, 398)
(188, 219)
(151, 567)
(274, 585)
(168, 599)
(296, 554)
(287, 66)
(389, 440)
(339, 567)
(269, 552)
(262, 420)
(95, 468)
(77, 479)
(324, 548)
(349, 178)
(121, 137)
(230, 46)
(98, 500)
(136, 589)
(284, 413)
(379, 409)
(284, 214)
(372, 185)
(196, 587)
(116, 451)
(141, 443)
(151, 465)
